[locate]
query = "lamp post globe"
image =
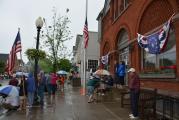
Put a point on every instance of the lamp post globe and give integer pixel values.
(39, 24)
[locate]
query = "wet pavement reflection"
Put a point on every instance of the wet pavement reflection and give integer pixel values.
(70, 105)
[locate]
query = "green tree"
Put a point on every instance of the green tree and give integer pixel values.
(55, 35)
(46, 65)
(2, 67)
(64, 64)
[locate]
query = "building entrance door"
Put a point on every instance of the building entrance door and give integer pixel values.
(124, 56)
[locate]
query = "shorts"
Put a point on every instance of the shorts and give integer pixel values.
(90, 90)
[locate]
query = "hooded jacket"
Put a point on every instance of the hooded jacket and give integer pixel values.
(31, 83)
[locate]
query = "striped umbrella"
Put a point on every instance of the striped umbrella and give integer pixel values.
(9, 90)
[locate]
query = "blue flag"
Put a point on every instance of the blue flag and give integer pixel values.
(156, 42)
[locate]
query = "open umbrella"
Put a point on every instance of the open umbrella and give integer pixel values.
(9, 90)
(102, 72)
(21, 73)
(62, 72)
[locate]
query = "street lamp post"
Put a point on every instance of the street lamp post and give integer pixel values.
(39, 24)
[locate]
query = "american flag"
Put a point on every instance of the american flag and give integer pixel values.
(85, 33)
(12, 56)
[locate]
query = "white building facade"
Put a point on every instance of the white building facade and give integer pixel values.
(92, 54)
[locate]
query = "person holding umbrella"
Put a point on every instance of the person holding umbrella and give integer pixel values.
(91, 85)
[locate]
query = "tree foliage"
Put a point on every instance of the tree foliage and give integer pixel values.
(64, 64)
(54, 36)
(46, 65)
(2, 67)
(34, 53)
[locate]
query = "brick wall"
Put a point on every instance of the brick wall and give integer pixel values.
(140, 16)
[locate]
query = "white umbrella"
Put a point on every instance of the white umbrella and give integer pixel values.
(102, 72)
(62, 72)
(21, 73)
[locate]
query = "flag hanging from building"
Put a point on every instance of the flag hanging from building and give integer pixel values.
(104, 59)
(12, 56)
(156, 42)
(85, 33)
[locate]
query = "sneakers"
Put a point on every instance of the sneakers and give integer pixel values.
(132, 117)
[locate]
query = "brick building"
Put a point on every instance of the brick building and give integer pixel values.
(119, 23)
(18, 62)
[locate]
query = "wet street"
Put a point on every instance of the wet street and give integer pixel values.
(70, 105)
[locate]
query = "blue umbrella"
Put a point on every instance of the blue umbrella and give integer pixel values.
(9, 90)
(62, 72)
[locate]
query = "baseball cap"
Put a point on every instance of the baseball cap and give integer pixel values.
(131, 70)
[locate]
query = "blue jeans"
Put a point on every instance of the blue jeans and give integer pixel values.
(49, 89)
(134, 97)
(41, 90)
(30, 98)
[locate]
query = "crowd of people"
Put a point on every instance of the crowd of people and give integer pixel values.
(32, 91)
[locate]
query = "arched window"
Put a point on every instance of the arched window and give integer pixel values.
(123, 46)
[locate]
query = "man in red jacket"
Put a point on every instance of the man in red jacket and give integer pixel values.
(134, 86)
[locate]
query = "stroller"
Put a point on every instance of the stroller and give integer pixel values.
(2, 102)
(2, 99)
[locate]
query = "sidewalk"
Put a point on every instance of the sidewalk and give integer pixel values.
(70, 105)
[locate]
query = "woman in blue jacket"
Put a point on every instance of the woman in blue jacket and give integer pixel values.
(121, 71)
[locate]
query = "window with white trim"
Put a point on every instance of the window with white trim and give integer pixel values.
(92, 64)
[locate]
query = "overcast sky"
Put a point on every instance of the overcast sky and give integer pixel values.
(22, 14)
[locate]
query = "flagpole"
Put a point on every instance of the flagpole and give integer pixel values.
(22, 70)
(84, 82)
